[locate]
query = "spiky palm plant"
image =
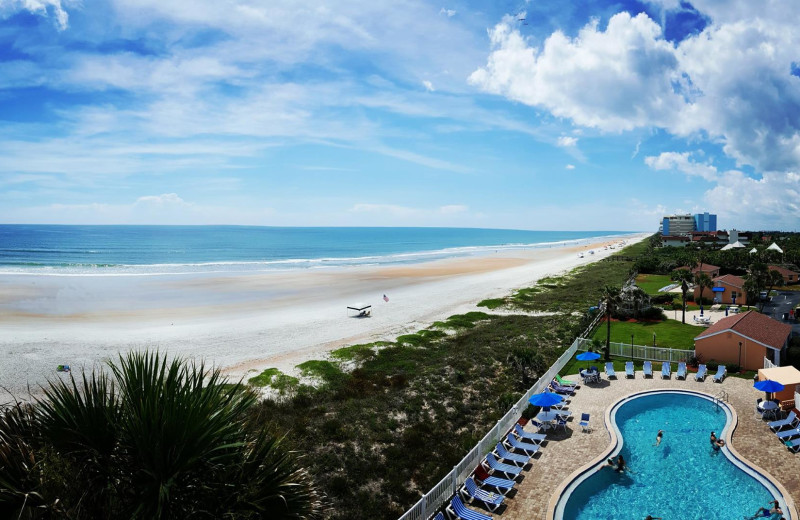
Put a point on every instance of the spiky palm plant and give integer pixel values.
(159, 438)
(685, 277)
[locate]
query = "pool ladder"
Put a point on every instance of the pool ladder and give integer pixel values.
(721, 396)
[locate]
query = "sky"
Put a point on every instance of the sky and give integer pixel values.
(545, 114)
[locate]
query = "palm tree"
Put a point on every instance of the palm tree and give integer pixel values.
(703, 281)
(773, 279)
(150, 438)
(684, 276)
(610, 299)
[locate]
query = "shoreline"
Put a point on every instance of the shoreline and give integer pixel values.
(249, 322)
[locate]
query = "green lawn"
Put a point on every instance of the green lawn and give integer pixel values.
(669, 333)
(651, 283)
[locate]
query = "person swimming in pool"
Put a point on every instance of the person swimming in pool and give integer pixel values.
(659, 436)
(713, 439)
(773, 513)
(719, 444)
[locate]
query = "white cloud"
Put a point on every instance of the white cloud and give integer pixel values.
(43, 8)
(683, 163)
(453, 208)
(166, 199)
(566, 141)
(629, 66)
(570, 167)
(428, 86)
(449, 12)
(771, 202)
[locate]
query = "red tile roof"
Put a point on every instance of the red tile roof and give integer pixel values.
(754, 326)
(707, 268)
(782, 270)
(730, 279)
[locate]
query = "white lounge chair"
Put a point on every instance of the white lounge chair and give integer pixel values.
(721, 373)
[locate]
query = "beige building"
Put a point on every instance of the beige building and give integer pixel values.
(745, 340)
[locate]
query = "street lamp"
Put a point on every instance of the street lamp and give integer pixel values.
(654, 340)
(740, 355)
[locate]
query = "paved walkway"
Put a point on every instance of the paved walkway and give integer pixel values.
(570, 450)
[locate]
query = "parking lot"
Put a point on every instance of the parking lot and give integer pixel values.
(780, 304)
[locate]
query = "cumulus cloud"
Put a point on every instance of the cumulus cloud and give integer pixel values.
(428, 85)
(771, 202)
(453, 208)
(566, 141)
(682, 162)
(449, 12)
(43, 8)
(166, 199)
(570, 167)
(731, 84)
(631, 69)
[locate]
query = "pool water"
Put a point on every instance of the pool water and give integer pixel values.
(682, 478)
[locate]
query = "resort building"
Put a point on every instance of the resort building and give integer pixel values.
(674, 241)
(744, 340)
(710, 270)
(680, 225)
(788, 376)
(705, 222)
(789, 277)
(728, 289)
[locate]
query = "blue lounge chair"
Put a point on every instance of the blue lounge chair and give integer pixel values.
(701, 373)
(515, 444)
(483, 479)
(610, 370)
(793, 445)
(514, 458)
(788, 434)
(439, 516)
(585, 422)
(790, 421)
(564, 390)
(496, 466)
(629, 372)
(457, 509)
(523, 435)
(666, 370)
(721, 373)
(681, 374)
(647, 368)
(471, 492)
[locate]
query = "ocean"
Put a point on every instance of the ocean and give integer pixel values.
(121, 250)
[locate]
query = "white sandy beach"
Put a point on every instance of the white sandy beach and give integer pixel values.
(247, 322)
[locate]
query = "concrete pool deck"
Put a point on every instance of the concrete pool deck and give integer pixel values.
(566, 452)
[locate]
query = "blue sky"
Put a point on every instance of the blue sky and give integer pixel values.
(584, 115)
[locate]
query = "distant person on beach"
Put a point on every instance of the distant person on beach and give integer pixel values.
(659, 436)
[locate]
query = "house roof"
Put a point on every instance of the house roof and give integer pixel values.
(675, 237)
(786, 376)
(730, 279)
(754, 326)
(775, 247)
(707, 268)
(782, 270)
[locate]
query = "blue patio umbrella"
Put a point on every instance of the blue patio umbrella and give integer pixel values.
(545, 399)
(768, 386)
(587, 356)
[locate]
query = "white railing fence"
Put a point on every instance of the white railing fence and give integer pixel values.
(648, 352)
(433, 500)
(767, 362)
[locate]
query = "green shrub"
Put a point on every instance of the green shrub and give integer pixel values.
(492, 303)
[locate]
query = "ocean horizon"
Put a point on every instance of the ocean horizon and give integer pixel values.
(151, 249)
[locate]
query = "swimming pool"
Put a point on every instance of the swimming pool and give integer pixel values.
(682, 478)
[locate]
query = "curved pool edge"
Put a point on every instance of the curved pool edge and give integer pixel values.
(614, 444)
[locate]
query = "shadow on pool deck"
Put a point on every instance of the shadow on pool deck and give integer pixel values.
(566, 452)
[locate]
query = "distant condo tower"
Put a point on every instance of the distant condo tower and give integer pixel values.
(705, 222)
(684, 225)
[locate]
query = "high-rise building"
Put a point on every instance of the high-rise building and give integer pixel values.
(705, 222)
(677, 225)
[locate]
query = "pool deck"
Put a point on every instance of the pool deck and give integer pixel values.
(566, 452)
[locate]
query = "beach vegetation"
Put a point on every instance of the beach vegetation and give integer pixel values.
(321, 369)
(264, 378)
(149, 438)
(492, 303)
(358, 353)
(462, 321)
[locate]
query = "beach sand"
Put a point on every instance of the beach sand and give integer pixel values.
(247, 322)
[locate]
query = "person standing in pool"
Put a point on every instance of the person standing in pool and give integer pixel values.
(659, 436)
(768, 512)
(713, 439)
